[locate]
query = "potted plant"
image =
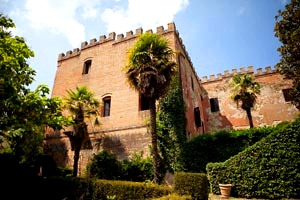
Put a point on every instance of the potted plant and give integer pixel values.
(225, 189)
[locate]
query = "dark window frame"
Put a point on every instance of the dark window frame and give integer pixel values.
(286, 95)
(106, 106)
(214, 104)
(87, 65)
(197, 117)
(144, 103)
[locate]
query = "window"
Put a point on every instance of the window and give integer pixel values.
(197, 117)
(144, 103)
(286, 94)
(106, 106)
(87, 66)
(192, 83)
(214, 104)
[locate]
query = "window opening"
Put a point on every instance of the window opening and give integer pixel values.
(197, 117)
(214, 104)
(87, 66)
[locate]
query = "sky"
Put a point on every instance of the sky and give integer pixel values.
(218, 34)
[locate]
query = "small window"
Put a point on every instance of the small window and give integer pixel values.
(144, 103)
(287, 95)
(87, 66)
(192, 83)
(214, 104)
(197, 117)
(106, 106)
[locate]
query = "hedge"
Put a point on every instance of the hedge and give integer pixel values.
(194, 184)
(219, 146)
(268, 169)
(58, 188)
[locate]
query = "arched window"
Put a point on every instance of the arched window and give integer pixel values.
(106, 106)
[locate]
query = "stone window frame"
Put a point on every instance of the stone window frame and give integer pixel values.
(106, 106)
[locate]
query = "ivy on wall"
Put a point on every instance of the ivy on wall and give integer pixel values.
(171, 126)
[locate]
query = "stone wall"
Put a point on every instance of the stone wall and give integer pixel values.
(271, 107)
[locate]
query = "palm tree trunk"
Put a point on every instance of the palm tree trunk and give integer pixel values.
(155, 155)
(249, 115)
(77, 147)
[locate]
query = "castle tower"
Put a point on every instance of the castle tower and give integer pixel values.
(98, 65)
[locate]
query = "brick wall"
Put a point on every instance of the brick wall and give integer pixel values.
(125, 130)
(271, 107)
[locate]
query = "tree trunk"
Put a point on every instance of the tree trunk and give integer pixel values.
(77, 147)
(249, 115)
(155, 154)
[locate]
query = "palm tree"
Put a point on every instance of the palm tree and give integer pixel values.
(149, 71)
(244, 93)
(81, 105)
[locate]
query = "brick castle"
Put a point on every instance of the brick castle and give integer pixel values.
(123, 130)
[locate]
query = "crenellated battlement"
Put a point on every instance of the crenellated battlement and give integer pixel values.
(112, 37)
(249, 70)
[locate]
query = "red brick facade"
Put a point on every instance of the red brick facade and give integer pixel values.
(98, 65)
(270, 109)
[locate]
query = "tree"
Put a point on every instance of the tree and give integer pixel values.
(245, 90)
(149, 71)
(24, 114)
(35, 113)
(15, 74)
(82, 105)
(287, 29)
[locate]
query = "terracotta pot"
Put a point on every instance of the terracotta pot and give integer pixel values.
(225, 190)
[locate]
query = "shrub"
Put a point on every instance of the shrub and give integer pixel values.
(194, 184)
(137, 168)
(174, 197)
(219, 146)
(268, 169)
(104, 165)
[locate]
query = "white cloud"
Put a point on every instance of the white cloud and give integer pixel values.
(147, 14)
(60, 17)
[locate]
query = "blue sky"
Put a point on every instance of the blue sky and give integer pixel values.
(218, 34)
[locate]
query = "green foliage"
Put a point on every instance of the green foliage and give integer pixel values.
(174, 196)
(287, 29)
(104, 165)
(194, 184)
(82, 104)
(171, 126)
(57, 188)
(137, 169)
(149, 70)
(219, 146)
(24, 114)
(244, 91)
(269, 169)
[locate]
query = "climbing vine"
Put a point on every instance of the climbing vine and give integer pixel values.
(171, 126)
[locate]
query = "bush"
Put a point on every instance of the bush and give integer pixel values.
(268, 169)
(137, 169)
(219, 146)
(104, 165)
(174, 197)
(194, 184)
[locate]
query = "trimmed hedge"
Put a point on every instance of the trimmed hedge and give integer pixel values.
(194, 184)
(268, 169)
(219, 146)
(58, 188)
